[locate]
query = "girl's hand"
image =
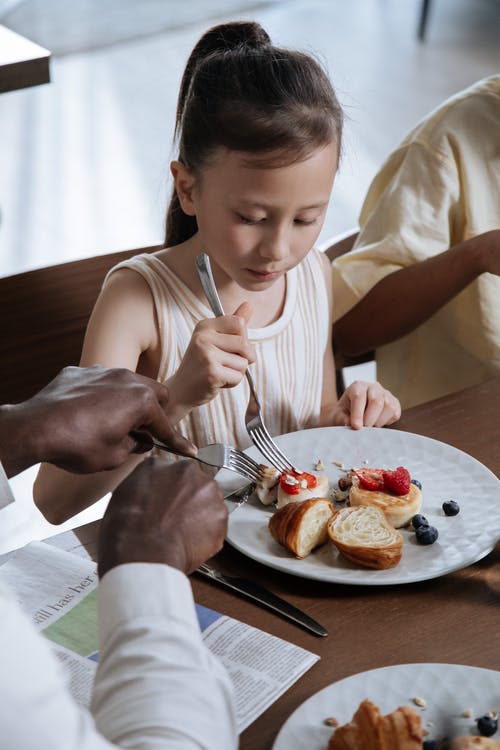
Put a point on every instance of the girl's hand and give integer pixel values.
(366, 404)
(217, 356)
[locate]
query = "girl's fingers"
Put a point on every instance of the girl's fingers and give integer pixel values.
(391, 412)
(235, 345)
(244, 311)
(357, 394)
(376, 404)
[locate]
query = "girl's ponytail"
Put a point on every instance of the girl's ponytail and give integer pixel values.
(218, 39)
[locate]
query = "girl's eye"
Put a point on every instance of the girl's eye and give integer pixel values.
(247, 220)
(304, 223)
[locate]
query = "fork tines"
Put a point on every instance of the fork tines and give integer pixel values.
(245, 465)
(264, 442)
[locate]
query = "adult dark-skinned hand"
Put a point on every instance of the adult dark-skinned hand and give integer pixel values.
(86, 420)
(163, 513)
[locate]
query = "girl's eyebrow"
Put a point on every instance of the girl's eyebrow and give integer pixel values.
(265, 206)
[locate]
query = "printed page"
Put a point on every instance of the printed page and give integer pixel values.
(80, 674)
(58, 591)
(47, 581)
(261, 666)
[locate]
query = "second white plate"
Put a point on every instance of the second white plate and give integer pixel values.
(448, 689)
(446, 473)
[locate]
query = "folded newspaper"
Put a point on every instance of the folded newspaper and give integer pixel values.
(57, 590)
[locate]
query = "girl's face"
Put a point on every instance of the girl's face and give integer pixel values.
(257, 223)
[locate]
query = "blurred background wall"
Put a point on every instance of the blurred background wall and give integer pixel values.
(84, 159)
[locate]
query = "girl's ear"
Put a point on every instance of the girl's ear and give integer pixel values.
(184, 184)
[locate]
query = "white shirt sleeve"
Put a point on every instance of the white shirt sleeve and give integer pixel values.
(6, 496)
(157, 685)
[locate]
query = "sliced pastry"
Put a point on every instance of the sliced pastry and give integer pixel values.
(363, 731)
(365, 537)
(369, 730)
(295, 487)
(401, 730)
(266, 488)
(389, 491)
(301, 527)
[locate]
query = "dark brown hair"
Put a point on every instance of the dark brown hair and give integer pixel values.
(240, 92)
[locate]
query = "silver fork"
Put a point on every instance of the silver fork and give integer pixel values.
(223, 457)
(254, 422)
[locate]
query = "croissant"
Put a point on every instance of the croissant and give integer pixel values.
(474, 743)
(301, 527)
(365, 537)
(362, 732)
(369, 730)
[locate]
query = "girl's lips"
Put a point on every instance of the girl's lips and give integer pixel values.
(264, 276)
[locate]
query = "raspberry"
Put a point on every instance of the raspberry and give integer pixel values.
(397, 481)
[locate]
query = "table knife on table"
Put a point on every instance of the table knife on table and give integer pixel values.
(263, 596)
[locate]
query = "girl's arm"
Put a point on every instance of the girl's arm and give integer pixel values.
(121, 328)
(123, 332)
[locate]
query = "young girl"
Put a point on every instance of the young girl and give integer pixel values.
(259, 132)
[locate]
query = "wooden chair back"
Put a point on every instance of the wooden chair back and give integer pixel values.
(44, 314)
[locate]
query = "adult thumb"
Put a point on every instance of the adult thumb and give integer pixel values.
(244, 311)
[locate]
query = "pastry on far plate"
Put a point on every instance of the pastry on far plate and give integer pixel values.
(365, 537)
(301, 527)
(399, 730)
(474, 743)
(294, 487)
(390, 491)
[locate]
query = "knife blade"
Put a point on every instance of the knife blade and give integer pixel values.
(240, 496)
(263, 596)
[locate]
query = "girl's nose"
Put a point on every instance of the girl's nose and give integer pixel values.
(274, 246)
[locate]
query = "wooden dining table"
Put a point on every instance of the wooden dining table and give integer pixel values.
(451, 619)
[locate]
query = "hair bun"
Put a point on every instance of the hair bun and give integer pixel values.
(228, 36)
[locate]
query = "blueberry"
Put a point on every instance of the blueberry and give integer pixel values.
(426, 534)
(419, 485)
(487, 725)
(418, 521)
(451, 508)
(430, 745)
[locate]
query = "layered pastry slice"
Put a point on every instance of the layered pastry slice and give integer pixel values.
(365, 537)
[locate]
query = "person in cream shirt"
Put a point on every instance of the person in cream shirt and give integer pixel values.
(422, 284)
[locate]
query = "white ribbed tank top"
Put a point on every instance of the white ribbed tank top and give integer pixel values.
(288, 371)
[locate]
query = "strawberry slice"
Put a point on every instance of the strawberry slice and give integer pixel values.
(397, 481)
(370, 479)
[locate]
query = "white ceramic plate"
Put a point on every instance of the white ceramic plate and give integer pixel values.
(446, 473)
(448, 689)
